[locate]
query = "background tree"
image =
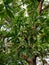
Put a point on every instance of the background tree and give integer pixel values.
(24, 31)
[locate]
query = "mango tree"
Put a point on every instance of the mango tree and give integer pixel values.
(24, 31)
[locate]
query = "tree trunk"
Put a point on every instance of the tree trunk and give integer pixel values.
(34, 60)
(29, 60)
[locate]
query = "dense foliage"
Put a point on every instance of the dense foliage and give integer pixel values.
(22, 31)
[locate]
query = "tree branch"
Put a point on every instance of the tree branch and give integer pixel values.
(46, 7)
(40, 6)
